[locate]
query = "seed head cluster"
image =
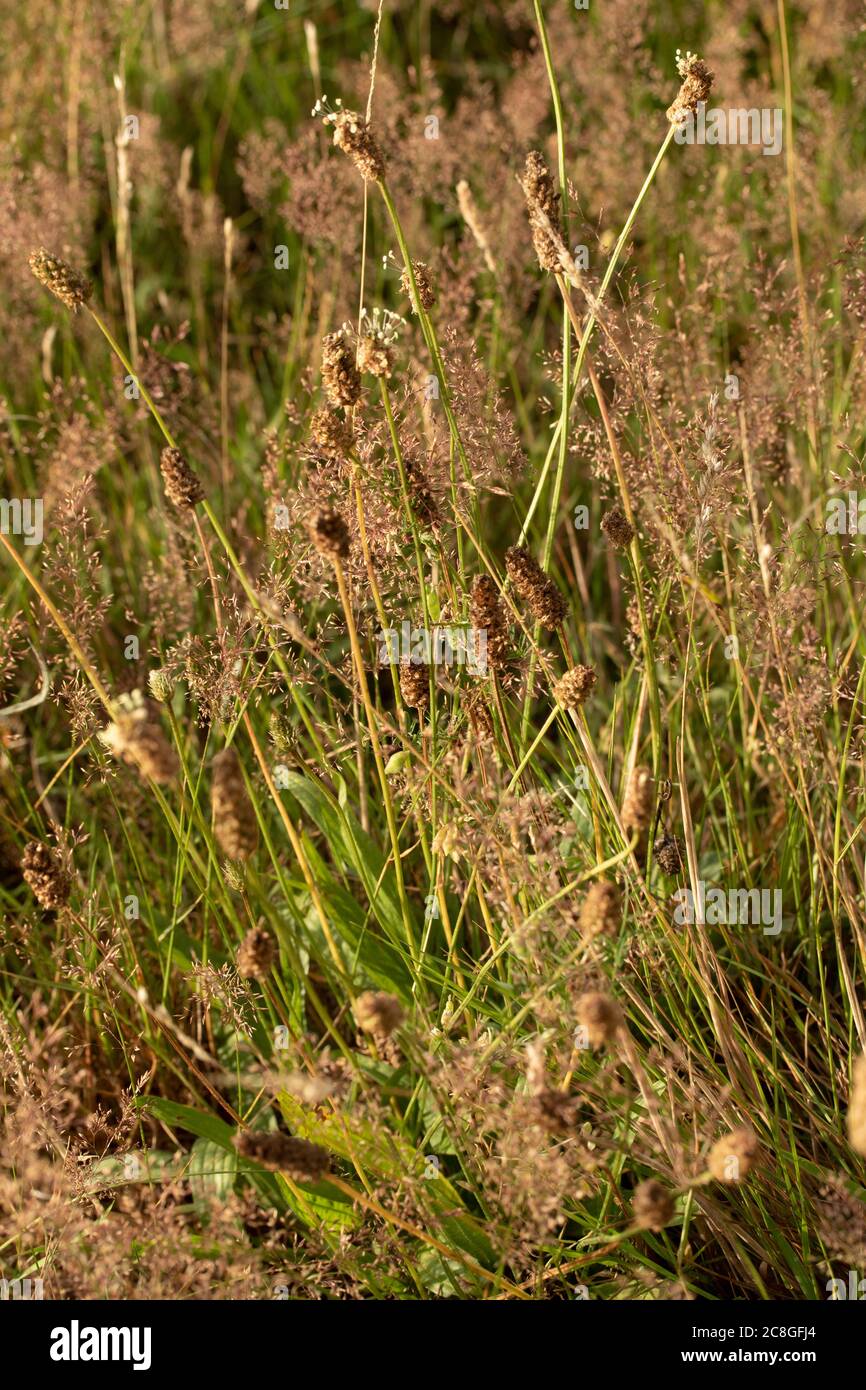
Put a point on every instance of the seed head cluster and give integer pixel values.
(44, 873)
(182, 487)
(696, 86)
(329, 534)
(423, 284)
(734, 1155)
(256, 954)
(340, 376)
(378, 1013)
(353, 136)
(637, 807)
(652, 1206)
(71, 287)
(235, 826)
(415, 684)
(542, 204)
(136, 737)
(601, 910)
(537, 589)
(486, 614)
(669, 852)
(330, 434)
(617, 528)
(600, 1015)
(575, 687)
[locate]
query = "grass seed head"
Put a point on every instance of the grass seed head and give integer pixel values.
(536, 588)
(486, 614)
(600, 1015)
(637, 807)
(374, 357)
(330, 434)
(652, 1206)
(160, 684)
(234, 820)
(43, 872)
(423, 283)
(182, 487)
(617, 528)
(542, 204)
(71, 287)
(732, 1156)
(256, 954)
(329, 534)
(601, 910)
(415, 684)
(378, 1013)
(340, 376)
(573, 689)
(353, 135)
(696, 86)
(554, 1111)
(136, 737)
(669, 852)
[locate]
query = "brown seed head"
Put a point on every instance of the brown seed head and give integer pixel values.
(669, 854)
(652, 1206)
(378, 1013)
(617, 528)
(600, 1015)
(732, 1156)
(70, 287)
(632, 614)
(601, 910)
(43, 871)
(329, 534)
(479, 713)
(486, 614)
(330, 434)
(298, 1159)
(160, 684)
(235, 826)
(374, 357)
(182, 487)
(542, 204)
(136, 737)
(415, 684)
(575, 686)
(696, 86)
(536, 588)
(354, 137)
(256, 954)
(554, 1111)
(340, 376)
(857, 1106)
(424, 283)
(637, 807)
